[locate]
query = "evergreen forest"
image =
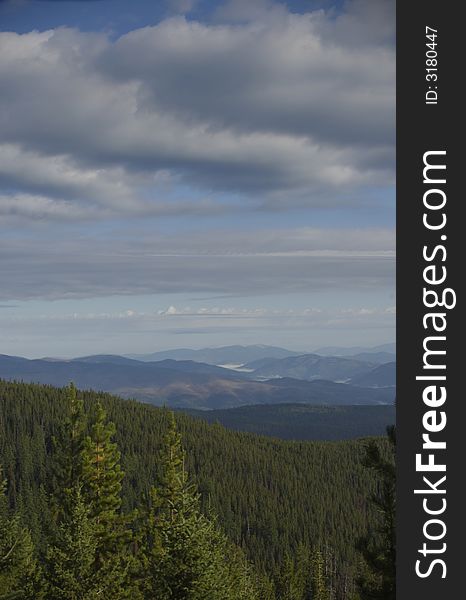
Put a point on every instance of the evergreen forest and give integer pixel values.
(108, 498)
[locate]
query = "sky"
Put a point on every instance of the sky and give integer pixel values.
(192, 173)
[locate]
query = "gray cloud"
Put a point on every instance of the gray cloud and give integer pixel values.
(283, 76)
(245, 265)
(182, 6)
(281, 109)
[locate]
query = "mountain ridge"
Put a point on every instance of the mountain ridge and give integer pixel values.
(187, 384)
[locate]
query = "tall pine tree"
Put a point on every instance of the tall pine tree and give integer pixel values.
(72, 573)
(319, 583)
(20, 576)
(289, 583)
(378, 580)
(186, 555)
(101, 477)
(68, 446)
(90, 556)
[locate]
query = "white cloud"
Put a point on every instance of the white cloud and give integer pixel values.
(255, 111)
(128, 331)
(280, 109)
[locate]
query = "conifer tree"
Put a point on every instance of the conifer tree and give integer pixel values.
(318, 580)
(265, 500)
(68, 447)
(101, 477)
(303, 570)
(266, 589)
(71, 568)
(20, 576)
(289, 583)
(186, 555)
(378, 580)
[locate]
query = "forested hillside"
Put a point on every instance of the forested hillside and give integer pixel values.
(303, 422)
(285, 504)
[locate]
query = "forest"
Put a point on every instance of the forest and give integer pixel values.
(104, 497)
(302, 421)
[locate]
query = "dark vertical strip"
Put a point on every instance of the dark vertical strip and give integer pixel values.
(421, 128)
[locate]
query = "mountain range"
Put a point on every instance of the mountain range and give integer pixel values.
(241, 355)
(309, 367)
(355, 350)
(382, 376)
(225, 355)
(184, 383)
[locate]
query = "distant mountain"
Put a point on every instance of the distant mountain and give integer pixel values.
(185, 384)
(304, 422)
(101, 374)
(309, 367)
(328, 393)
(186, 366)
(6, 359)
(354, 350)
(381, 376)
(226, 355)
(375, 357)
(97, 359)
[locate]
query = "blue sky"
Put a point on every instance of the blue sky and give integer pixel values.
(194, 174)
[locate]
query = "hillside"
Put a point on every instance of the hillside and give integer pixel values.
(270, 495)
(309, 367)
(184, 383)
(354, 350)
(379, 377)
(378, 358)
(303, 422)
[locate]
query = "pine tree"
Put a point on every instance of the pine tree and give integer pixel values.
(68, 447)
(242, 583)
(102, 477)
(266, 589)
(378, 580)
(303, 570)
(186, 555)
(318, 580)
(290, 582)
(266, 502)
(71, 566)
(20, 576)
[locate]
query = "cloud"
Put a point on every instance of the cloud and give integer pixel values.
(280, 110)
(57, 176)
(254, 263)
(278, 77)
(37, 207)
(213, 313)
(132, 331)
(53, 188)
(182, 6)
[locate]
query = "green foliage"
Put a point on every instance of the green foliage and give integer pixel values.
(20, 575)
(101, 479)
(273, 498)
(378, 580)
(303, 421)
(187, 556)
(71, 568)
(68, 446)
(291, 581)
(320, 590)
